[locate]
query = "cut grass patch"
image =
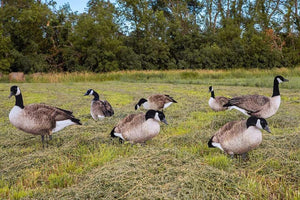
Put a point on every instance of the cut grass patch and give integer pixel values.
(83, 162)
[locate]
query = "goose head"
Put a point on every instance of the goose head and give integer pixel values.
(141, 102)
(14, 91)
(260, 123)
(280, 79)
(89, 92)
(157, 115)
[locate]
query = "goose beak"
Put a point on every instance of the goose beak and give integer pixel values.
(164, 121)
(267, 129)
(285, 80)
(85, 94)
(10, 95)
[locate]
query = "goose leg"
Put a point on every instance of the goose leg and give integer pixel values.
(43, 140)
(245, 156)
(50, 137)
(47, 140)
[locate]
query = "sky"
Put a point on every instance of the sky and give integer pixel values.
(76, 5)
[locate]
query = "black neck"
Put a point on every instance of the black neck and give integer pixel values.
(96, 96)
(275, 88)
(19, 101)
(213, 94)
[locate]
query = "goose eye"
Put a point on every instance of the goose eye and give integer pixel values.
(161, 116)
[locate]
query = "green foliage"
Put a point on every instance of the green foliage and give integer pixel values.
(148, 35)
(5, 58)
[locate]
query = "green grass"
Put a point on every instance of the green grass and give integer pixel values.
(83, 162)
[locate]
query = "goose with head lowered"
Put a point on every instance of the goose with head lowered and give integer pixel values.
(155, 102)
(239, 137)
(217, 103)
(138, 128)
(39, 119)
(99, 108)
(258, 105)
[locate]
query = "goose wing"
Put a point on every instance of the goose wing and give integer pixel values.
(229, 131)
(98, 108)
(222, 100)
(37, 119)
(170, 99)
(50, 113)
(108, 109)
(250, 103)
(160, 100)
(129, 122)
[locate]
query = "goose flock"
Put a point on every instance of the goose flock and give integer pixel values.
(234, 138)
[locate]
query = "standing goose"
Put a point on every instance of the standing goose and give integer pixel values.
(99, 108)
(39, 119)
(239, 137)
(138, 128)
(155, 102)
(258, 105)
(217, 103)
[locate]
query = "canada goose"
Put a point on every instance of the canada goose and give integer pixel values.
(239, 137)
(138, 128)
(258, 105)
(99, 108)
(155, 102)
(216, 103)
(39, 119)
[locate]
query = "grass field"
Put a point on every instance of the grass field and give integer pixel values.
(83, 162)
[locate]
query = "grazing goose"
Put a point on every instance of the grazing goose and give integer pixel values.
(138, 128)
(99, 108)
(39, 119)
(239, 137)
(217, 103)
(258, 105)
(155, 102)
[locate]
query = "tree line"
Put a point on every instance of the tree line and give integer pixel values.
(36, 36)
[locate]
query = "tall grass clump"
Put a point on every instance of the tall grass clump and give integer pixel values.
(245, 77)
(218, 161)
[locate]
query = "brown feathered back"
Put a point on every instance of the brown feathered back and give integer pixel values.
(158, 101)
(251, 103)
(130, 122)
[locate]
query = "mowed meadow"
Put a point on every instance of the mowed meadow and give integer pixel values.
(84, 162)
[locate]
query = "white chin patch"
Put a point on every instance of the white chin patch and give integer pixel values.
(212, 89)
(18, 91)
(91, 92)
(258, 125)
(156, 117)
(279, 80)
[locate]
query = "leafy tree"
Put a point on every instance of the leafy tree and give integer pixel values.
(5, 57)
(96, 38)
